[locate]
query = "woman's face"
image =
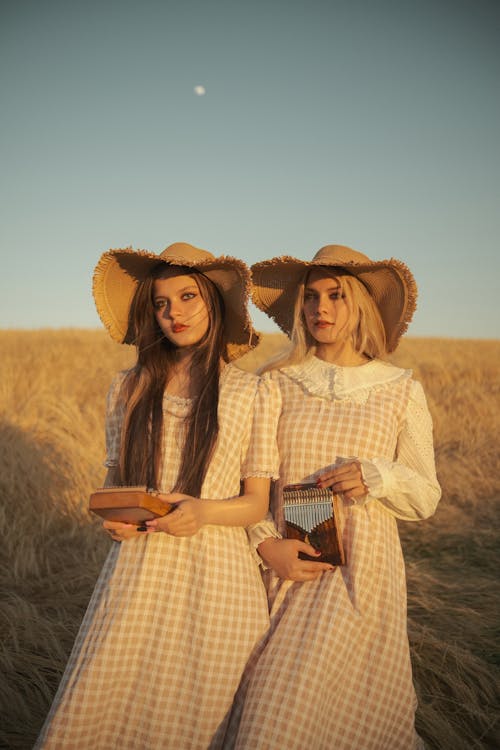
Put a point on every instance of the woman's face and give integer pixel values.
(180, 309)
(326, 312)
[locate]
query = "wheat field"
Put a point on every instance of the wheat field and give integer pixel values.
(52, 391)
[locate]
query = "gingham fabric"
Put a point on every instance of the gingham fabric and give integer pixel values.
(172, 621)
(335, 673)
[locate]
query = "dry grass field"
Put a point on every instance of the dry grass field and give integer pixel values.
(52, 390)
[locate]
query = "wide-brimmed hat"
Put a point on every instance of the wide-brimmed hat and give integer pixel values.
(390, 283)
(119, 272)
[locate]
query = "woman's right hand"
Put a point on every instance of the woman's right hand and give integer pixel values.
(119, 532)
(282, 555)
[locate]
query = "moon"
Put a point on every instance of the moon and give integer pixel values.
(199, 90)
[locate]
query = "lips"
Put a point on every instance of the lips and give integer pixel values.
(178, 328)
(322, 324)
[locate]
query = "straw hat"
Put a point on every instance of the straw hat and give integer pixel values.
(390, 283)
(119, 272)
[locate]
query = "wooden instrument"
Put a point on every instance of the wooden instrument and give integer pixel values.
(128, 504)
(312, 515)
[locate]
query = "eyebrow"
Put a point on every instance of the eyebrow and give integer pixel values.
(189, 287)
(330, 288)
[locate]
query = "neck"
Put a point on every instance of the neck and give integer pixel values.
(180, 381)
(183, 380)
(340, 353)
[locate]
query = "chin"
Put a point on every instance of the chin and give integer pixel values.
(321, 337)
(185, 344)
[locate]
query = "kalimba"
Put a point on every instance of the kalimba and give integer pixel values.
(312, 514)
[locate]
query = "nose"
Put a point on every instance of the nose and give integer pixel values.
(168, 311)
(321, 304)
(172, 310)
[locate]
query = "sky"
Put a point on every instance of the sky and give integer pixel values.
(373, 124)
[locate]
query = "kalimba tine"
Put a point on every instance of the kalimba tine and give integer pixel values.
(312, 515)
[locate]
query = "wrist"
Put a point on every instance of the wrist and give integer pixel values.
(266, 545)
(203, 512)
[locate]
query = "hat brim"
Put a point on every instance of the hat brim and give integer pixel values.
(390, 282)
(119, 272)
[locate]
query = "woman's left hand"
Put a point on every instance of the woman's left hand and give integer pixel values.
(120, 532)
(346, 479)
(185, 520)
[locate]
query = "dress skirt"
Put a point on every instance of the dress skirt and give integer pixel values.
(161, 616)
(335, 671)
(172, 620)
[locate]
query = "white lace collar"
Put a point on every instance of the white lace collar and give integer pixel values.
(333, 382)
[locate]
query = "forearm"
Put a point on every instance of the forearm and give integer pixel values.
(244, 510)
(193, 513)
(404, 492)
(407, 486)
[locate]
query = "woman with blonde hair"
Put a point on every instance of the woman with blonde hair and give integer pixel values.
(179, 605)
(335, 671)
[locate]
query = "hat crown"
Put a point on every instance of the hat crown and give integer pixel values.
(332, 255)
(182, 251)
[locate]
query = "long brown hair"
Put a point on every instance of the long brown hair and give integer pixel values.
(144, 386)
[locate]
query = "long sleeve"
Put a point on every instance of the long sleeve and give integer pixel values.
(407, 487)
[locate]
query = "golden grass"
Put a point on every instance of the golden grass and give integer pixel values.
(52, 390)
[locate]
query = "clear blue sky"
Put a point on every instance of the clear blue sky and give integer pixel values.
(366, 123)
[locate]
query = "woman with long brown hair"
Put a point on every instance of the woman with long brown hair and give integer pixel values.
(179, 605)
(355, 442)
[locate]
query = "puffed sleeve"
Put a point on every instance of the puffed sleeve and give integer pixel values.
(407, 487)
(114, 418)
(267, 413)
(261, 457)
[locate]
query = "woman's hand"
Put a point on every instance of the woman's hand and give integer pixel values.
(346, 479)
(185, 520)
(119, 532)
(282, 555)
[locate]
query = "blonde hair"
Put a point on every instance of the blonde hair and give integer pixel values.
(367, 336)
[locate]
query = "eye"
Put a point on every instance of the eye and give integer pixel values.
(159, 303)
(188, 295)
(336, 295)
(308, 296)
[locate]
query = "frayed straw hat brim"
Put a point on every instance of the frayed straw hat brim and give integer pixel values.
(119, 272)
(390, 282)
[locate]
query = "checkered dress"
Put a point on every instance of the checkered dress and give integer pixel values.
(172, 621)
(335, 672)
